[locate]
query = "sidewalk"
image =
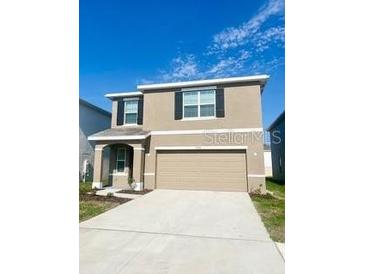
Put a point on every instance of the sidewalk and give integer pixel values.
(105, 191)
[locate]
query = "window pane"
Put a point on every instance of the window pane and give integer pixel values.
(120, 166)
(131, 118)
(206, 110)
(191, 111)
(191, 98)
(207, 97)
(120, 154)
(131, 106)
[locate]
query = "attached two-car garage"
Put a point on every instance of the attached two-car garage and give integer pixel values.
(220, 170)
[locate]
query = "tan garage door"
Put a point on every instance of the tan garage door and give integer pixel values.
(202, 170)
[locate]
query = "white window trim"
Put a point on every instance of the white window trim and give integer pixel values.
(199, 117)
(130, 99)
(125, 113)
(201, 88)
(116, 172)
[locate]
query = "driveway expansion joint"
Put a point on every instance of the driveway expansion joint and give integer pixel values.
(177, 234)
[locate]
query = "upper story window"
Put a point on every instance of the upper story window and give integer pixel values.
(130, 112)
(199, 103)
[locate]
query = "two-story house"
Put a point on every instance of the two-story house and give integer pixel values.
(194, 135)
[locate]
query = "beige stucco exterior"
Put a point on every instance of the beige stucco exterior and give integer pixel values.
(242, 110)
(241, 126)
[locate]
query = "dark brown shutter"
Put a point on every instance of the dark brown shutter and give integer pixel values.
(178, 105)
(140, 111)
(219, 102)
(120, 113)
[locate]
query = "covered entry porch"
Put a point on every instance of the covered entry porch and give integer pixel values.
(126, 158)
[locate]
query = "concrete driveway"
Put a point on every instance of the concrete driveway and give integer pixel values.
(177, 231)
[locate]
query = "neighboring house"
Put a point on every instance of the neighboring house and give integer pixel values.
(195, 135)
(277, 139)
(91, 120)
(267, 159)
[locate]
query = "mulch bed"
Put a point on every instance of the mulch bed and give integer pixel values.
(130, 191)
(92, 197)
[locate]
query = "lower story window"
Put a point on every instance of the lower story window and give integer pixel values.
(120, 163)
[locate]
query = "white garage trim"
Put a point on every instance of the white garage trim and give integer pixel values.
(205, 131)
(256, 175)
(149, 174)
(201, 148)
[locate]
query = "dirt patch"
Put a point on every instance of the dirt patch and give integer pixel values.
(91, 197)
(130, 191)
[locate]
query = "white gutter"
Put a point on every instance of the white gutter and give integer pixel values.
(124, 137)
(123, 94)
(175, 132)
(201, 148)
(261, 78)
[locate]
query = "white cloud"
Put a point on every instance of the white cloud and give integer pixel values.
(230, 65)
(221, 66)
(269, 65)
(233, 37)
(236, 50)
(245, 54)
(183, 67)
(264, 39)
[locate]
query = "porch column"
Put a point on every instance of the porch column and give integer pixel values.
(138, 163)
(98, 167)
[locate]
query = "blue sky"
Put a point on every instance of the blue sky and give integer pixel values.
(125, 43)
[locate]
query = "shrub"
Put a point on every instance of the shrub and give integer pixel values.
(131, 182)
(84, 187)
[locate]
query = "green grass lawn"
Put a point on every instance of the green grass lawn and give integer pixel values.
(89, 209)
(277, 188)
(91, 205)
(272, 210)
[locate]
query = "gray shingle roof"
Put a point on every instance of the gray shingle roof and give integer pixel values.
(123, 133)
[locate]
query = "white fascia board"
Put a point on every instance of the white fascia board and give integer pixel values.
(110, 138)
(123, 94)
(201, 148)
(204, 131)
(261, 78)
(175, 132)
